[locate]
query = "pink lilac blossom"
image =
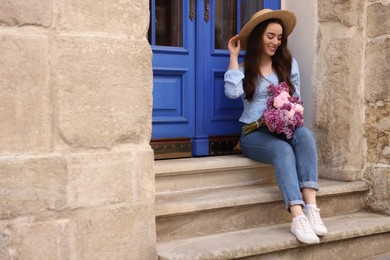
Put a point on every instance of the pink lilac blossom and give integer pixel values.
(283, 113)
(281, 99)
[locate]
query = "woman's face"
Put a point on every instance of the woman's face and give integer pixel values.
(272, 38)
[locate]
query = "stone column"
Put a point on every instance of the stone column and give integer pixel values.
(377, 99)
(76, 168)
(338, 119)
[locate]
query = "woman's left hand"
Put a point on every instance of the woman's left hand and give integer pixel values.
(234, 45)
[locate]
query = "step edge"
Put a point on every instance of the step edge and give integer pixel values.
(357, 186)
(182, 166)
(210, 170)
(243, 200)
(194, 190)
(353, 186)
(290, 242)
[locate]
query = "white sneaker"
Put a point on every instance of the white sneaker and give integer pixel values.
(313, 215)
(301, 228)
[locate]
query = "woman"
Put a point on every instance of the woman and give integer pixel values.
(268, 61)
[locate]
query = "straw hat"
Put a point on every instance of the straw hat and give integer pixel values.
(288, 18)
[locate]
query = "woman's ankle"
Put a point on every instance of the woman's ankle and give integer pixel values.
(296, 210)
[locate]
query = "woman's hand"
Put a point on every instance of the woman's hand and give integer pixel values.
(234, 50)
(234, 45)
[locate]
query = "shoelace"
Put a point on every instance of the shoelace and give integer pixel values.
(305, 225)
(315, 215)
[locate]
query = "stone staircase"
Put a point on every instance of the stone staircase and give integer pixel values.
(229, 207)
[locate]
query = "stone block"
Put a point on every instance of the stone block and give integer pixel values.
(116, 233)
(110, 178)
(20, 12)
(346, 12)
(378, 22)
(378, 198)
(338, 111)
(119, 17)
(49, 240)
(31, 184)
(377, 129)
(378, 71)
(25, 94)
(105, 83)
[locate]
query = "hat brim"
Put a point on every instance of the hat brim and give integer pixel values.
(288, 19)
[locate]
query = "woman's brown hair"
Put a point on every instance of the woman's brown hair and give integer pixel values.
(281, 60)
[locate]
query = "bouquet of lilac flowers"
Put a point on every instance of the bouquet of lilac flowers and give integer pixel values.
(283, 113)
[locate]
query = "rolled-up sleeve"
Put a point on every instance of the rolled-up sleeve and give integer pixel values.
(233, 83)
(295, 78)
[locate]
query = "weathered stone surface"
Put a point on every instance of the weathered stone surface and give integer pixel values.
(24, 97)
(377, 69)
(123, 17)
(80, 87)
(223, 210)
(20, 12)
(347, 236)
(116, 233)
(378, 199)
(346, 12)
(5, 250)
(110, 177)
(338, 111)
(49, 240)
(31, 184)
(365, 247)
(143, 167)
(377, 127)
(107, 84)
(378, 22)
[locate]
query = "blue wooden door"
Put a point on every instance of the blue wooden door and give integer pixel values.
(189, 40)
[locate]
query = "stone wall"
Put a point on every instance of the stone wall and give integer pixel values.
(76, 168)
(338, 92)
(377, 100)
(352, 113)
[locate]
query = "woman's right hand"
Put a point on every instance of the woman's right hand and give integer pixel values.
(234, 45)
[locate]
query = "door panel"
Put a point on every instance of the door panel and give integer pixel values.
(170, 84)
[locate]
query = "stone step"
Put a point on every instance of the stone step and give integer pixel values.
(192, 174)
(354, 236)
(221, 210)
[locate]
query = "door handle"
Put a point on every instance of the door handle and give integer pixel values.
(207, 10)
(192, 10)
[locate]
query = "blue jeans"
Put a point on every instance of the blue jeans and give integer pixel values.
(294, 160)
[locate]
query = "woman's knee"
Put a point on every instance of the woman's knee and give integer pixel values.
(303, 133)
(285, 152)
